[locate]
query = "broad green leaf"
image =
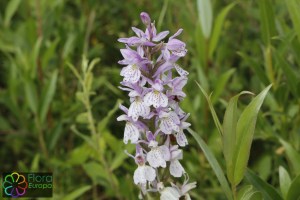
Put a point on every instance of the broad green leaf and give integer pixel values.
(267, 20)
(220, 85)
(83, 118)
(294, 7)
(79, 155)
(77, 193)
(213, 163)
(10, 11)
(284, 181)
(95, 171)
(205, 14)
(268, 191)
(48, 96)
(249, 193)
(213, 112)
(217, 30)
(229, 134)
(294, 191)
(292, 155)
(244, 135)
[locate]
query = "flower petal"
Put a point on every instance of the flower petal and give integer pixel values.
(181, 139)
(131, 73)
(131, 133)
(176, 168)
(160, 36)
(155, 158)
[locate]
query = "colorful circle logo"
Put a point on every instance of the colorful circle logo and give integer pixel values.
(15, 185)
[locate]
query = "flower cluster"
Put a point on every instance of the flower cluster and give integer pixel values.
(154, 120)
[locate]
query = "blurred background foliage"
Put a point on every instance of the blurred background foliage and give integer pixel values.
(58, 113)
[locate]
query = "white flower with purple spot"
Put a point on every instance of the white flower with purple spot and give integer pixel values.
(158, 155)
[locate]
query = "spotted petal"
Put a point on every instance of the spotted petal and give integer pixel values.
(156, 158)
(181, 139)
(143, 174)
(156, 98)
(138, 108)
(131, 133)
(180, 71)
(131, 73)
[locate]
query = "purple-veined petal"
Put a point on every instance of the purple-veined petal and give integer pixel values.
(160, 36)
(157, 99)
(181, 71)
(155, 158)
(175, 44)
(138, 32)
(131, 133)
(181, 139)
(131, 73)
(138, 108)
(176, 34)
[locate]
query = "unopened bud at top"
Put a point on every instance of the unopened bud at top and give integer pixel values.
(145, 18)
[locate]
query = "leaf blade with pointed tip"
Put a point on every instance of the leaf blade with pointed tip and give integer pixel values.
(244, 135)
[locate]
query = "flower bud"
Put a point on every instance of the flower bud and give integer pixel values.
(145, 18)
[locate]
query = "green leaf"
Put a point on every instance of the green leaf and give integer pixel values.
(83, 118)
(31, 95)
(268, 191)
(249, 193)
(205, 14)
(291, 76)
(267, 20)
(213, 163)
(220, 85)
(244, 135)
(10, 11)
(103, 123)
(212, 110)
(294, 191)
(284, 181)
(294, 7)
(292, 155)
(77, 193)
(120, 157)
(95, 171)
(48, 96)
(217, 30)
(229, 134)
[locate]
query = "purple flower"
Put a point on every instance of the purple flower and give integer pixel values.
(154, 82)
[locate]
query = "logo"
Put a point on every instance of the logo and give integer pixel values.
(15, 185)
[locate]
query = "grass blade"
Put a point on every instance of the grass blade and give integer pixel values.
(213, 112)
(267, 190)
(205, 16)
(213, 163)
